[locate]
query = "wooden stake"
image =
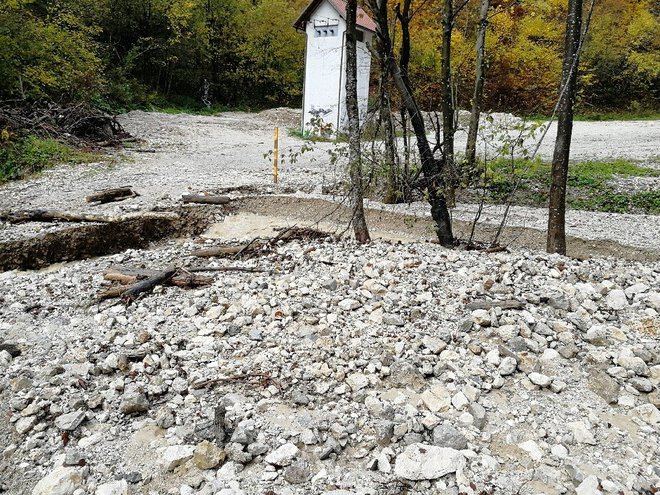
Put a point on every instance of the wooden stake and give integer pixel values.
(276, 152)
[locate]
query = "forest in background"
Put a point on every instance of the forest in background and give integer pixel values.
(122, 54)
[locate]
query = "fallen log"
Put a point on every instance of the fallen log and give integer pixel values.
(225, 269)
(147, 285)
(203, 199)
(121, 278)
(42, 215)
(183, 278)
(509, 304)
(219, 251)
(110, 195)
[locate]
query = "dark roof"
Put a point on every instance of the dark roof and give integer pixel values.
(363, 20)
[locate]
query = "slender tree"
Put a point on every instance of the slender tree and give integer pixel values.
(447, 93)
(395, 191)
(433, 182)
(556, 240)
(480, 77)
(354, 153)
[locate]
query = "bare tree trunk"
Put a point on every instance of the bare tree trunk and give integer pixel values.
(556, 241)
(354, 154)
(433, 181)
(448, 123)
(480, 77)
(394, 190)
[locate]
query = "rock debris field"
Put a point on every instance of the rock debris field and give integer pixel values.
(337, 369)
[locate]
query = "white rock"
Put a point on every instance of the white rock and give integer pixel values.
(588, 487)
(557, 386)
(460, 401)
(636, 289)
(550, 355)
(437, 399)
(493, 357)
(507, 366)
(653, 300)
(434, 344)
(649, 413)
(5, 358)
(393, 319)
(176, 455)
(507, 332)
(349, 304)
(180, 385)
(559, 451)
(581, 433)
(283, 456)
(70, 421)
(24, 425)
(427, 462)
(631, 362)
(533, 449)
(60, 481)
(617, 300)
(539, 379)
(113, 488)
(481, 317)
(384, 465)
(357, 381)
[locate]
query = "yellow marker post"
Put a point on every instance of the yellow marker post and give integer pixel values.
(276, 152)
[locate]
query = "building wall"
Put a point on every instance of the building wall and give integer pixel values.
(325, 66)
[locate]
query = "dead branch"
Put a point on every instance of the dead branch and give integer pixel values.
(260, 245)
(147, 285)
(77, 124)
(203, 199)
(110, 195)
(131, 277)
(225, 269)
(42, 215)
(263, 379)
(219, 251)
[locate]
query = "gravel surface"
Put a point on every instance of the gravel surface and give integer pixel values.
(338, 369)
(380, 369)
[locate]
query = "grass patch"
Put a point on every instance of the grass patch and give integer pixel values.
(604, 116)
(626, 115)
(196, 109)
(588, 185)
(28, 156)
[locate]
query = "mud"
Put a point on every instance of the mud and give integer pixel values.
(256, 216)
(82, 241)
(400, 225)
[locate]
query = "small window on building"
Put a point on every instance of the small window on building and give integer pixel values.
(325, 32)
(359, 35)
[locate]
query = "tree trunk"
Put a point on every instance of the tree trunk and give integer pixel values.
(448, 124)
(433, 181)
(394, 189)
(556, 241)
(354, 154)
(480, 77)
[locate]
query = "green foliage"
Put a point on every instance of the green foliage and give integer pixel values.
(133, 53)
(46, 52)
(30, 155)
(588, 184)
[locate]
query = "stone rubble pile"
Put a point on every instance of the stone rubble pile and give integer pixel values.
(348, 370)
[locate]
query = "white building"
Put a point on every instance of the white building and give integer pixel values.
(324, 24)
